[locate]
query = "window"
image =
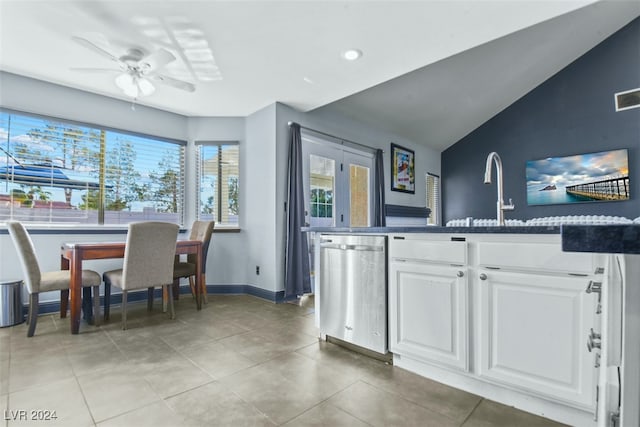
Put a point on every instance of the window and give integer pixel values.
(433, 199)
(219, 182)
(59, 171)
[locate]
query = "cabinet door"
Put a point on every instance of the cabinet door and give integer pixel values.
(428, 313)
(532, 334)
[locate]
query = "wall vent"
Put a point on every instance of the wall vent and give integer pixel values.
(627, 99)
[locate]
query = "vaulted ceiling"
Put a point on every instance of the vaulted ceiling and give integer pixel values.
(431, 71)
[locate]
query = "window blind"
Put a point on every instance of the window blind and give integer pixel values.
(59, 171)
(433, 199)
(218, 182)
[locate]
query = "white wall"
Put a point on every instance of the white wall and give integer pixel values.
(35, 96)
(264, 142)
(339, 126)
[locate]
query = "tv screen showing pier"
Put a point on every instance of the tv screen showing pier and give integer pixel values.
(591, 177)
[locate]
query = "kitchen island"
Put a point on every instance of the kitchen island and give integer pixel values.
(501, 312)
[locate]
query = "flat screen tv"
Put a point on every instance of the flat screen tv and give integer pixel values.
(591, 177)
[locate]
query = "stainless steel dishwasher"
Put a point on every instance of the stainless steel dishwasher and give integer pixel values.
(353, 289)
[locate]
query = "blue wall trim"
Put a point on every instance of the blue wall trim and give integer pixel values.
(406, 211)
(276, 297)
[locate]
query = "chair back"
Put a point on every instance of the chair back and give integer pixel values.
(148, 255)
(27, 255)
(201, 230)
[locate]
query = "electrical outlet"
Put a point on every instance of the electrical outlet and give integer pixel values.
(257, 270)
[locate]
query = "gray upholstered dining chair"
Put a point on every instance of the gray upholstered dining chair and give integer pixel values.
(200, 230)
(37, 281)
(148, 262)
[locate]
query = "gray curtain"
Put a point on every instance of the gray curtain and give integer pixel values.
(379, 218)
(297, 280)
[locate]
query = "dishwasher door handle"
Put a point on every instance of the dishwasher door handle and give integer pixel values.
(344, 247)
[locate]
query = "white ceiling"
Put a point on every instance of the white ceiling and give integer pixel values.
(432, 71)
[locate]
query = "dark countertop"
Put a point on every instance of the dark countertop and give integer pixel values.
(616, 239)
(436, 229)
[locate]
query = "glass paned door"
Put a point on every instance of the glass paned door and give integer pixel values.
(337, 184)
(322, 186)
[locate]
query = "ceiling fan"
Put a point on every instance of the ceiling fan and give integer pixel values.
(137, 70)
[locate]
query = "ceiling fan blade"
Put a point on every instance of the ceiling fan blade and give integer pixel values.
(97, 49)
(96, 70)
(178, 84)
(157, 59)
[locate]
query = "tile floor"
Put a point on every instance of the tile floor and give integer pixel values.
(241, 361)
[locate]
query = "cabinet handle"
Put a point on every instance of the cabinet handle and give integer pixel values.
(460, 274)
(594, 287)
(483, 276)
(599, 270)
(593, 341)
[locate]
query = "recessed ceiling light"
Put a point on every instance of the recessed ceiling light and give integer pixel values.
(352, 54)
(308, 80)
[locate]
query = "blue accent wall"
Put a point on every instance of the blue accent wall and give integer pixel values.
(573, 112)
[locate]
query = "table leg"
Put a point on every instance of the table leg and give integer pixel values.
(198, 277)
(76, 291)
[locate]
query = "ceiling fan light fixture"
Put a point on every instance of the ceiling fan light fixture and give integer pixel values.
(124, 81)
(131, 91)
(145, 86)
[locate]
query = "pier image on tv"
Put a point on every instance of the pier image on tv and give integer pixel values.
(591, 177)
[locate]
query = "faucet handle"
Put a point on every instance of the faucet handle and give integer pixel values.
(510, 206)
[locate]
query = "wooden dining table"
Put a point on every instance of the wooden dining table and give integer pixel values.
(73, 254)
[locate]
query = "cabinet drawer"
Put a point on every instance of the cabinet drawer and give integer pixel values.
(421, 250)
(533, 256)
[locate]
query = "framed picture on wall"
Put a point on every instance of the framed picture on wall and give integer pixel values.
(403, 171)
(590, 177)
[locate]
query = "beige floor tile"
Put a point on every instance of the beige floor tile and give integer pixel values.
(325, 415)
(38, 368)
(3, 408)
(5, 343)
(273, 394)
(223, 408)
(254, 346)
(55, 404)
(156, 414)
(4, 377)
(217, 359)
(322, 381)
(239, 361)
(93, 358)
(492, 414)
(175, 375)
(380, 408)
(109, 394)
(449, 401)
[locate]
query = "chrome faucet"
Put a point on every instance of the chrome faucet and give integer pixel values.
(501, 207)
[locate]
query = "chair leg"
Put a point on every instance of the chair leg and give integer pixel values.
(87, 307)
(165, 298)
(107, 297)
(96, 305)
(64, 303)
(150, 298)
(33, 313)
(124, 309)
(172, 313)
(192, 285)
(204, 289)
(176, 289)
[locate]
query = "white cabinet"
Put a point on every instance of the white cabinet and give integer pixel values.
(503, 316)
(428, 312)
(428, 305)
(532, 334)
